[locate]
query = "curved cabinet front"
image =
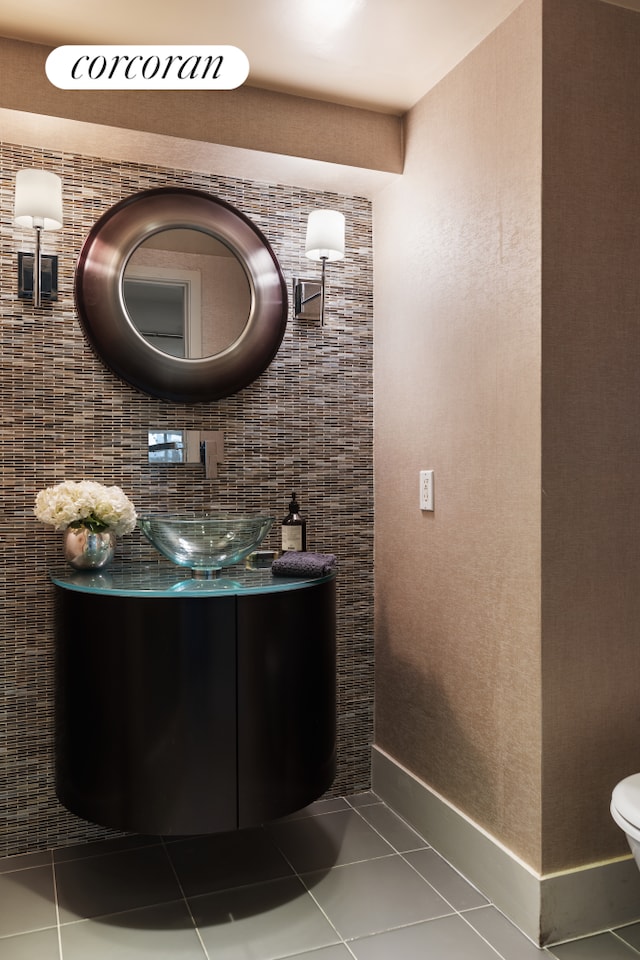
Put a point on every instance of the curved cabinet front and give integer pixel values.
(194, 714)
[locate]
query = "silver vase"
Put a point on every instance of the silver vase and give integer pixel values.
(85, 550)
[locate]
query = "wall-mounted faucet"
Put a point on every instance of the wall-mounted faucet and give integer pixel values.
(167, 446)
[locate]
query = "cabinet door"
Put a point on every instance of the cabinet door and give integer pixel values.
(286, 700)
(146, 712)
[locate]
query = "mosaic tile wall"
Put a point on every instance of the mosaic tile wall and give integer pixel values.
(306, 424)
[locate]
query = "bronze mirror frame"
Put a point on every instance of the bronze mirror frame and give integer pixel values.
(101, 308)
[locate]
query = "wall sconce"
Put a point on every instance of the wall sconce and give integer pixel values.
(325, 241)
(38, 206)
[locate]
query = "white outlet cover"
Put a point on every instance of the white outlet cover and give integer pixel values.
(426, 489)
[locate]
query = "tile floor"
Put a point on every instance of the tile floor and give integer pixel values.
(343, 879)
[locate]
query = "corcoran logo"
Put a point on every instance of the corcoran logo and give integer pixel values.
(147, 67)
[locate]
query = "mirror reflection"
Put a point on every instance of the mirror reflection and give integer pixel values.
(187, 293)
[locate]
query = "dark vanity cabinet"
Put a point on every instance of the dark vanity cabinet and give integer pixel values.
(185, 709)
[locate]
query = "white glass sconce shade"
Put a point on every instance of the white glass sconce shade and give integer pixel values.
(38, 200)
(325, 235)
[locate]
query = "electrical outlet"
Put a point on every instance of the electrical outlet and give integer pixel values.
(426, 489)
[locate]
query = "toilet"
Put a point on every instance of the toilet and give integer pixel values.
(625, 810)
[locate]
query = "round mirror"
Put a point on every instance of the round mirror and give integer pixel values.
(181, 295)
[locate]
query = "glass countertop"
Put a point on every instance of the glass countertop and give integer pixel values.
(165, 580)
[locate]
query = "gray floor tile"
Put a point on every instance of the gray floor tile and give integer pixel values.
(502, 935)
(604, 946)
(448, 938)
(364, 876)
(98, 848)
(24, 861)
(319, 843)
(208, 864)
(42, 945)
(148, 934)
(394, 830)
(630, 934)
(27, 901)
(320, 806)
(261, 922)
(338, 952)
(363, 799)
(367, 897)
(448, 882)
(118, 881)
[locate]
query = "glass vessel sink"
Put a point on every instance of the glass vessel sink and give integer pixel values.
(205, 543)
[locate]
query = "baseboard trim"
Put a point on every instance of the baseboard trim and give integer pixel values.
(588, 900)
(548, 909)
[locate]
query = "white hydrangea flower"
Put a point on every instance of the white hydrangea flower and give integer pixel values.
(73, 503)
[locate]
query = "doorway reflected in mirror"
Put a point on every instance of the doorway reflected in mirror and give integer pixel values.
(186, 293)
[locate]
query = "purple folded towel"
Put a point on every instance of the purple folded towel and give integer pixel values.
(295, 563)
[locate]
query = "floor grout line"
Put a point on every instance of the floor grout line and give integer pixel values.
(56, 903)
(184, 898)
(622, 940)
(306, 888)
(399, 853)
(98, 917)
(94, 855)
(478, 934)
(455, 911)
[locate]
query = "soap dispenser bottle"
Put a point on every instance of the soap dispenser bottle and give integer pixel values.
(294, 528)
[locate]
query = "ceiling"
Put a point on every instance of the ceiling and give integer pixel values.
(380, 54)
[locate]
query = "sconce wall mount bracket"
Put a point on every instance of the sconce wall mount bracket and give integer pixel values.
(48, 277)
(307, 299)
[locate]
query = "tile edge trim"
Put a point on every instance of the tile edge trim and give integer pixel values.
(547, 910)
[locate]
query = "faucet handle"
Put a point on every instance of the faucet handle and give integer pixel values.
(211, 451)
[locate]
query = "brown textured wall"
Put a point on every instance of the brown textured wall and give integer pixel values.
(591, 424)
(246, 117)
(306, 420)
(457, 390)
